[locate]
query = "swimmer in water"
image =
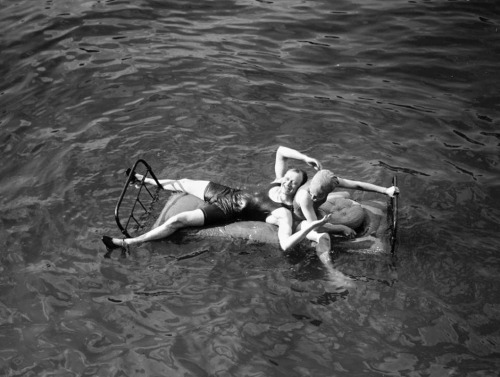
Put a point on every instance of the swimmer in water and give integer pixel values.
(314, 193)
(225, 204)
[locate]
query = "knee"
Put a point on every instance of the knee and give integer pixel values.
(181, 184)
(189, 218)
(323, 244)
(178, 221)
(184, 181)
(323, 238)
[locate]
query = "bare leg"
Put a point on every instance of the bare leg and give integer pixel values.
(323, 249)
(335, 277)
(189, 186)
(322, 239)
(182, 220)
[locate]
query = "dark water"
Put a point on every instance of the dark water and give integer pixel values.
(209, 89)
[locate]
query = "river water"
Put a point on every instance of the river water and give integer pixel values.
(209, 90)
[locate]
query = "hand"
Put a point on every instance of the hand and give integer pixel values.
(348, 232)
(324, 220)
(314, 163)
(391, 191)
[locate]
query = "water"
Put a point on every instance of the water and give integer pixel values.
(209, 89)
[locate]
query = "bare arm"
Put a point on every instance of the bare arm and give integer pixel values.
(306, 205)
(365, 186)
(283, 218)
(340, 229)
(288, 241)
(282, 156)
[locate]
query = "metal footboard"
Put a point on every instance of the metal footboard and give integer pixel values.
(140, 203)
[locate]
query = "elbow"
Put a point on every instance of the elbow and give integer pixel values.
(285, 246)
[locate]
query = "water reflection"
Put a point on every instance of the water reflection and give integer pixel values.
(209, 90)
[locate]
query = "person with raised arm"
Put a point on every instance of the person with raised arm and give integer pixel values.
(314, 193)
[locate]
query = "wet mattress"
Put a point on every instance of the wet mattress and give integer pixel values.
(368, 218)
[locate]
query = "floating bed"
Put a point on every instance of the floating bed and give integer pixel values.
(375, 222)
(368, 218)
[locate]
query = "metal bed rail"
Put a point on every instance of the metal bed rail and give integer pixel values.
(392, 216)
(144, 199)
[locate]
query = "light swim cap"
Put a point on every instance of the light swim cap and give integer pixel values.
(323, 183)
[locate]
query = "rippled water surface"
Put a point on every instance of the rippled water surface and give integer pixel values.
(208, 90)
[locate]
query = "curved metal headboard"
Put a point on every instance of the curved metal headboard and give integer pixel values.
(145, 208)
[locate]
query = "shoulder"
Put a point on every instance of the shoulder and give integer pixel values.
(273, 192)
(277, 181)
(302, 195)
(274, 184)
(282, 213)
(273, 187)
(304, 189)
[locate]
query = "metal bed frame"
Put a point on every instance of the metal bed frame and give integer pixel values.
(145, 208)
(141, 207)
(392, 217)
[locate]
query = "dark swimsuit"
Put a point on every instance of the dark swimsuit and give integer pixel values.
(225, 204)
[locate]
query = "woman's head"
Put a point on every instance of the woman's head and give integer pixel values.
(323, 183)
(292, 180)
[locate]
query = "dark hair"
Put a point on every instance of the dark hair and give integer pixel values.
(304, 175)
